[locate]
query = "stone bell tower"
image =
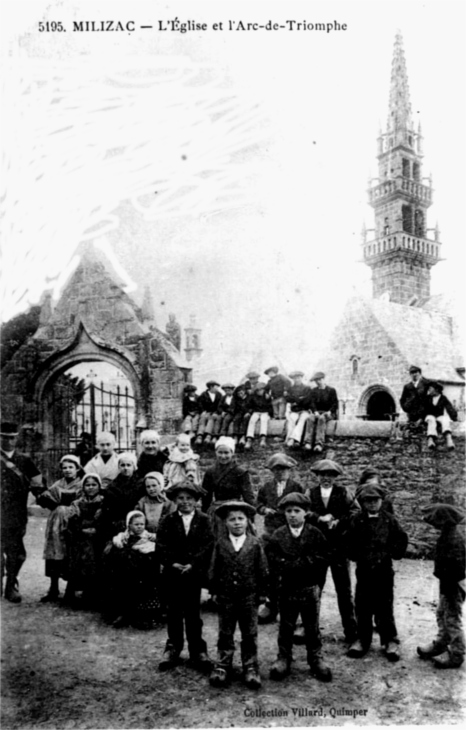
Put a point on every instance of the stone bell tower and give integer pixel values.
(400, 253)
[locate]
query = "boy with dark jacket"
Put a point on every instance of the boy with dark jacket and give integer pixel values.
(448, 648)
(439, 412)
(238, 580)
(209, 403)
(268, 497)
(373, 538)
(298, 556)
(331, 507)
(260, 408)
(298, 396)
(184, 543)
(240, 414)
(226, 410)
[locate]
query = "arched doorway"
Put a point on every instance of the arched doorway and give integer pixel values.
(381, 406)
(377, 403)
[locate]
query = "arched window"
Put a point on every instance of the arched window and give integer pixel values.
(354, 366)
(407, 217)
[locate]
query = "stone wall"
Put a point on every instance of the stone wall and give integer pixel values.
(413, 476)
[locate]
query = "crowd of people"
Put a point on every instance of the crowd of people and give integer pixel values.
(139, 538)
(243, 412)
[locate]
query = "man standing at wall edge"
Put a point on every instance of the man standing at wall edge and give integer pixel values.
(414, 396)
(19, 475)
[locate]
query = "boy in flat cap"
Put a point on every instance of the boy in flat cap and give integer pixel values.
(331, 507)
(298, 555)
(238, 580)
(190, 410)
(209, 403)
(414, 395)
(324, 408)
(252, 378)
(448, 648)
(241, 414)
(19, 476)
(298, 396)
(439, 414)
(268, 497)
(277, 386)
(261, 409)
(373, 539)
(185, 543)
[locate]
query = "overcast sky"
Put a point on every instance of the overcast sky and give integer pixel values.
(225, 169)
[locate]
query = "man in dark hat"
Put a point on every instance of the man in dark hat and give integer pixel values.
(209, 403)
(331, 507)
(414, 395)
(439, 415)
(19, 476)
(238, 578)
(268, 497)
(184, 543)
(298, 555)
(190, 410)
(252, 378)
(324, 408)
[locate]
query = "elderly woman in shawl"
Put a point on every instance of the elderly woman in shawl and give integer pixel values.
(58, 499)
(85, 541)
(121, 496)
(134, 588)
(151, 458)
(226, 480)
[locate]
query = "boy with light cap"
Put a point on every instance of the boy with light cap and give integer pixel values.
(298, 396)
(324, 408)
(238, 578)
(373, 539)
(268, 497)
(298, 556)
(331, 507)
(105, 463)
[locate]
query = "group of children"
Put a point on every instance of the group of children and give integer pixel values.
(158, 547)
(240, 411)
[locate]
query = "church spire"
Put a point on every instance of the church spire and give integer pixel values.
(399, 107)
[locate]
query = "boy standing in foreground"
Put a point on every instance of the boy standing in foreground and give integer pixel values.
(238, 580)
(373, 538)
(448, 648)
(185, 543)
(298, 556)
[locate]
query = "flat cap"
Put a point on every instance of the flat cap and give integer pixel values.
(280, 460)
(228, 385)
(295, 499)
(252, 375)
(272, 369)
(297, 374)
(212, 382)
(369, 491)
(260, 385)
(190, 388)
(326, 466)
(235, 504)
(438, 386)
(318, 375)
(414, 369)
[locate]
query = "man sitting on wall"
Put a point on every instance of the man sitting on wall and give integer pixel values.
(439, 414)
(414, 395)
(324, 408)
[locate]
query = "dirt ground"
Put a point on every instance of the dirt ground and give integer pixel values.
(66, 669)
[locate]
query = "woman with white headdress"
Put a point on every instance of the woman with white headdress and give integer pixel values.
(152, 457)
(58, 499)
(121, 495)
(105, 463)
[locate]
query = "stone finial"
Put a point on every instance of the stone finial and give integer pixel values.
(399, 107)
(147, 307)
(46, 307)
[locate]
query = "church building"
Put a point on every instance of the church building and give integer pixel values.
(377, 339)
